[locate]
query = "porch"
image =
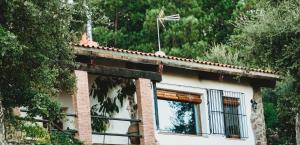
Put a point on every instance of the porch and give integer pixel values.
(121, 127)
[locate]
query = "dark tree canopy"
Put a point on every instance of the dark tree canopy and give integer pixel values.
(132, 25)
(269, 37)
(36, 58)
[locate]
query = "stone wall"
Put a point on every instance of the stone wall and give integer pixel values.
(258, 119)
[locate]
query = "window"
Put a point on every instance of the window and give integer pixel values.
(178, 112)
(231, 117)
(227, 113)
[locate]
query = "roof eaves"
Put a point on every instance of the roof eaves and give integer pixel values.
(202, 64)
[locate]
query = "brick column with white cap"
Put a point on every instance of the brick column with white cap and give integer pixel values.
(81, 104)
(145, 111)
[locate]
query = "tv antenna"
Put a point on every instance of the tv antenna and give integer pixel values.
(161, 18)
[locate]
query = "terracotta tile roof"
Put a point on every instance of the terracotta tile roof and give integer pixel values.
(85, 41)
(174, 58)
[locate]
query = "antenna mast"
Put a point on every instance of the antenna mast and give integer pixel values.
(160, 20)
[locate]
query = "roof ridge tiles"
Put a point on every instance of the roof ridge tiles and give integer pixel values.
(175, 58)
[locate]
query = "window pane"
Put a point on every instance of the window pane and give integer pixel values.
(232, 126)
(177, 117)
(227, 113)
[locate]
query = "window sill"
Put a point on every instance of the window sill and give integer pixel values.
(179, 134)
(234, 137)
(194, 135)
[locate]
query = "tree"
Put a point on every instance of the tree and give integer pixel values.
(109, 103)
(133, 25)
(280, 119)
(36, 59)
(270, 34)
(222, 53)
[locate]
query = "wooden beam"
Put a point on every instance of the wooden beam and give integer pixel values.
(113, 55)
(255, 82)
(121, 72)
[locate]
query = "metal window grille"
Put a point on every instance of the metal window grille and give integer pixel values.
(227, 118)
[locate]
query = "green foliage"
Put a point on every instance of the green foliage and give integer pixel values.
(23, 130)
(29, 131)
(224, 54)
(132, 25)
(39, 134)
(108, 102)
(59, 138)
(269, 37)
(36, 59)
(279, 113)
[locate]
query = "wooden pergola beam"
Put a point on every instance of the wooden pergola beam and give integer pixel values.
(121, 72)
(114, 55)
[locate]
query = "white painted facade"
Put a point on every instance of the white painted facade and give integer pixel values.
(178, 80)
(114, 126)
(189, 81)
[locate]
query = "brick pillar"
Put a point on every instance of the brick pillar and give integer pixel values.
(81, 104)
(145, 111)
(258, 119)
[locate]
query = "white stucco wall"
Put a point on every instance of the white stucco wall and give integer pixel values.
(120, 127)
(115, 126)
(188, 81)
(66, 102)
(183, 80)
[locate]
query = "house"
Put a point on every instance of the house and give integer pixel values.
(178, 101)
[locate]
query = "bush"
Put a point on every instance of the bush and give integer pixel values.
(62, 138)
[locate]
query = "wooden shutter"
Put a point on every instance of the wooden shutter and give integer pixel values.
(231, 101)
(178, 96)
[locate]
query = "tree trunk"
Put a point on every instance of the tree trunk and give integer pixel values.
(116, 25)
(297, 129)
(2, 128)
